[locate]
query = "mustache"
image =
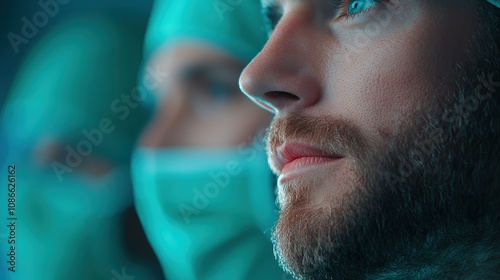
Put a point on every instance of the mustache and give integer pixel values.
(332, 135)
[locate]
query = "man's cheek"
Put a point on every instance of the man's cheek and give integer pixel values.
(374, 95)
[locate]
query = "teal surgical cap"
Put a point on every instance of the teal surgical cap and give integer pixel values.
(232, 25)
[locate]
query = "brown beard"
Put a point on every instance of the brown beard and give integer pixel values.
(425, 188)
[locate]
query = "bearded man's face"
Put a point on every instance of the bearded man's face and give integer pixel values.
(386, 129)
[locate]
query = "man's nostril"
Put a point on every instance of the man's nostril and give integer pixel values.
(273, 95)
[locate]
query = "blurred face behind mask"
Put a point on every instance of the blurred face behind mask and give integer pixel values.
(201, 178)
(70, 224)
(77, 218)
(199, 104)
(202, 186)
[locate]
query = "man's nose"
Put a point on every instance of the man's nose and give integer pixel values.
(282, 78)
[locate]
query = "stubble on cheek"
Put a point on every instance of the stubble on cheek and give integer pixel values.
(401, 70)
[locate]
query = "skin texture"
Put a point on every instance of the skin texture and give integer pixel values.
(377, 86)
(377, 89)
(187, 117)
(391, 74)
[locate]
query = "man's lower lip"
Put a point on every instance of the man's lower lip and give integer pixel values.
(301, 165)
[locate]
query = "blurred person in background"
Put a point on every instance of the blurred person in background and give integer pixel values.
(203, 190)
(71, 130)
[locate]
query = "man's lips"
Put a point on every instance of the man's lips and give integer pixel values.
(291, 157)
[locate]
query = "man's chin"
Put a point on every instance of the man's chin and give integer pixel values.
(313, 225)
(297, 226)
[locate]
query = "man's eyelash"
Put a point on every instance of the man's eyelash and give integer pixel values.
(272, 12)
(338, 6)
(344, 15)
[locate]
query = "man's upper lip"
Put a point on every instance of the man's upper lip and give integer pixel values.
(289, 152)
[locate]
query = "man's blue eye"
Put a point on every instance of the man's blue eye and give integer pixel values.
(358, 6)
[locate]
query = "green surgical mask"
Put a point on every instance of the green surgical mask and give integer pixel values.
(204, 211)
(69, 229)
